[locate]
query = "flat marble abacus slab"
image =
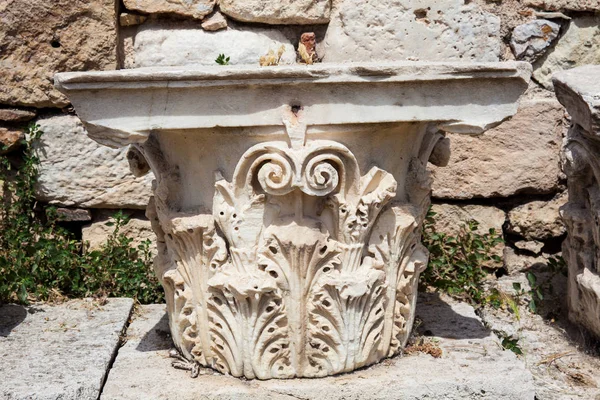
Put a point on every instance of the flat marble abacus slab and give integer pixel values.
(124, 106)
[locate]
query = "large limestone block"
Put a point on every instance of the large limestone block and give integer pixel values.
(137, 228)
(278, 12)
(41, 37)
(189, 8)
(519, 156)
(411, 30)
(580, 45)
(59, 352)
(472, 365)
(538, 219)
(449, 217)
(77, 171)
(164, 44)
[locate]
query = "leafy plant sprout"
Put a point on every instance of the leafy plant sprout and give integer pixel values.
(458, 265)
(222, 60)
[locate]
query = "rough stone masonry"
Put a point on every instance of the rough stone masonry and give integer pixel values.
(519, 174)
(522, 159)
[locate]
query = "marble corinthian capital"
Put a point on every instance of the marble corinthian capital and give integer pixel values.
(288, 200)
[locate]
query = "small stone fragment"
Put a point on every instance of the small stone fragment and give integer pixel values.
(214, 22)
(538, 219)
(16, 115)
(190, 8)
(449, 217)
(551, 15)
(532, 246)
(580, 45)
(129, 19)
(506, 284)
(73, 214)
(9, 139)
(514, 263)
(529, 40)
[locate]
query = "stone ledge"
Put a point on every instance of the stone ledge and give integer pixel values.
(50, 352)
(473, 366)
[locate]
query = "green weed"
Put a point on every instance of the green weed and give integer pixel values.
(40, 260)
(458, 265)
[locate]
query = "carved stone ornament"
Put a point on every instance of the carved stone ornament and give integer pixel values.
(579, 91)
(288, 201)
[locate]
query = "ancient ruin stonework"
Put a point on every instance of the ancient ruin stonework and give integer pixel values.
(289, 231)
(39, 38)
(579, 91)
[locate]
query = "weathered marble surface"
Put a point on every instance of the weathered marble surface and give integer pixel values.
(169, 44)
(425, 30)
(460, 97)
(59, 352)
(288, 201)
(579, 91)
(473, 366)
(76, 171)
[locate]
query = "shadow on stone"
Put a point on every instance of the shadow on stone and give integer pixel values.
(157, 338)
(448, 319)
(11, 315)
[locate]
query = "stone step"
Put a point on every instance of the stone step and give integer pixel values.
(473, 365)
(51, 352)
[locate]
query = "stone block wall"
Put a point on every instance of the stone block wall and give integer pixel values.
(509, 177)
